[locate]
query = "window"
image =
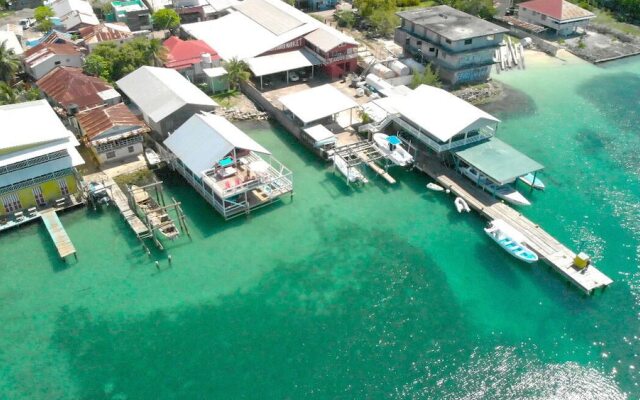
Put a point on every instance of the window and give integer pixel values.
(37, 194)
(64, 188)
(432, 49)
(11, 203)
(419, 43)
(131, 149)
(491, 37)
(468, 41)
(448, 41)
(57, 63)
(111, 154)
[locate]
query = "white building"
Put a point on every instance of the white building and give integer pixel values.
(74, 14)
(165, 98)
(11, 42)
(41, 59)
(563, 17)
(229, 169)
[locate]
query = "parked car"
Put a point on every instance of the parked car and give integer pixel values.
(27, 23)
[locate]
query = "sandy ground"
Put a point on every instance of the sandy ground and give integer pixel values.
(536, 58)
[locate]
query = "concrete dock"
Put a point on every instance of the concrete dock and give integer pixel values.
(550, 250)
(59, 236)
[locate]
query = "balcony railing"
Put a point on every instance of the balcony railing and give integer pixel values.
(484, 133)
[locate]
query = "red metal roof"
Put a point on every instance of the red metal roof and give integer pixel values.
(184, 53)
(99, 120)
(55, 48)
(68, 85)
(105, 32)
(560, 10)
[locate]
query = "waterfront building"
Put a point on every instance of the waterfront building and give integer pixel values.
(38, 158)
(561, 16)
(460, 46)
(112, 132)
(73, 91)
(117, 33)
(275, 39)
(190, 58)
(165, 98)
(74, 14)
(230, 170)
(202, 10)
(133, 13)
(44, 57)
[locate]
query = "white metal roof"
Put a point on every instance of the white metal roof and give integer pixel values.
(205, 139)
(280, 62)
(214, 72)
(317, 103)
(74, 12)
(74, 159)
(324, 39)
(437, 111)
(321, 135)
(246, 32)
(33, 129)
(158, 92)
(11, 42)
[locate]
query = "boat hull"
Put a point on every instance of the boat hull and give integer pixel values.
(505, 193)
(509, 244)
(532, 181)
(398, 156)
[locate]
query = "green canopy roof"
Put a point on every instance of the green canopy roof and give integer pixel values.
(498, 161)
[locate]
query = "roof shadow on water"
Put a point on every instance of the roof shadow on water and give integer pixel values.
(363, 315)
(513, 103)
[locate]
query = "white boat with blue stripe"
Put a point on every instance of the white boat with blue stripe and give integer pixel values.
(510, 240)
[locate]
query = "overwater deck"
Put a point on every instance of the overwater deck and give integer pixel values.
(554, 253)
(59, 236)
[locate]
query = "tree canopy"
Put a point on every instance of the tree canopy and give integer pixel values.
(428, 77)
(9, 63)
(166, 19)
(237, 71)
(19, 94)
(111, 62)
(43, 15)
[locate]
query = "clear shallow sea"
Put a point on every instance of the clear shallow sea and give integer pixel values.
(380, 292)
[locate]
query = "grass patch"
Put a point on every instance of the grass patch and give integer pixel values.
(140, 177)
(226, 99)
(5, 13)
(607, 19)
(427, 3)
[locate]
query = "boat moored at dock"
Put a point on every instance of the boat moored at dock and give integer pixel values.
(533, 181)
(352, 174)
(391, 147)
(510, 240)
(505, 192)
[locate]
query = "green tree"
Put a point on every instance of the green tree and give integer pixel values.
(43, 15)
(345, 18)
(384, 22)
(7, 94)
(9, 63)
(237, 71)
(18, 94)
(155, 53)
(96, 65)
(165, 19)
(428, 77)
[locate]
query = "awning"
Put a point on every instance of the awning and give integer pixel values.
(320, 135)
(271, 64)
(498, 161)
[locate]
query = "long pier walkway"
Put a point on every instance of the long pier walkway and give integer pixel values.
(59, 236)
(554, 253)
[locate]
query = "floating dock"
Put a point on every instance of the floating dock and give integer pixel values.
(550, 250)
(58, 234)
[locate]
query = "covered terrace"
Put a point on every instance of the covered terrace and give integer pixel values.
(264, 68)
(318, 105)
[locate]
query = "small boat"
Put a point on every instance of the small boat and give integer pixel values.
(152, 157)
(533, 181)
(352, 174)
(504, 192)
(510, 240)
(391, 147)
(98, 194)
(435, 187)
(461, 205)
(158, 218)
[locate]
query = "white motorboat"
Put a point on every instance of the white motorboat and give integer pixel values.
(461, 205)
(504, 192)
(435, 187)
(352, 174)
(510, 240)
(391, 147)
(152, 157)
(98, 194)
(533, 181)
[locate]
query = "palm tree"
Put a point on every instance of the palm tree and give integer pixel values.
(155, 53)
(7, 94)
(9, 63)
(237, 71)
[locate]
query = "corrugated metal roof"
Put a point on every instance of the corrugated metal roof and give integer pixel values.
(271, 18)
(105, 33)
(317, 103)
(39, 53)
(324, 40)
(266, 65)
(159, 92)
(99, 121)
(205, 139)
(69, 86)
(184, 53)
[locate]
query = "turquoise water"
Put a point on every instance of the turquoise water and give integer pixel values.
(379, 292)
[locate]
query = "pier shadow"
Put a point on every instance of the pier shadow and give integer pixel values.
(498, 263)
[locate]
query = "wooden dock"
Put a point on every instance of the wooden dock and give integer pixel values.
(58, 234)
(550, 250)
(122, 202)
(376, 168)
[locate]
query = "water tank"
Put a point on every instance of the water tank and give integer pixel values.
(382, 71)
(206, 60)
(400, 68)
